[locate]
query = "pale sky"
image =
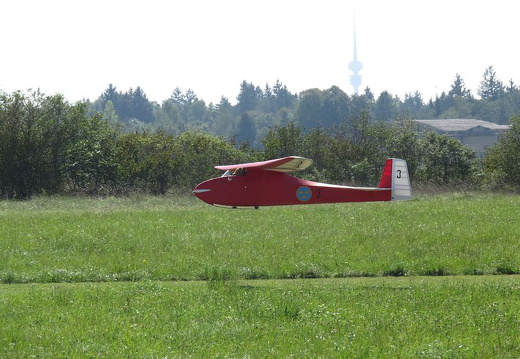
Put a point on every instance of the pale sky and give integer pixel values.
(78, 47)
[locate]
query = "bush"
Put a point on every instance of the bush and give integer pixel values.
(502, 162)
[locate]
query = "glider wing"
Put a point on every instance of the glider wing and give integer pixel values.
(285, 164)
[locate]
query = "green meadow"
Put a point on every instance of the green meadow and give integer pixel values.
(150, 238)
(157, 277)
(405, 317)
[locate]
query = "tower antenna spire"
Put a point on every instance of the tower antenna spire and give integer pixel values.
(355, 66)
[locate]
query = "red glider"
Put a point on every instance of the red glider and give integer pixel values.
(268, 183)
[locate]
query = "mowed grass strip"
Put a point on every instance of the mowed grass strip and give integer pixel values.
(162, 238)
(407, 317)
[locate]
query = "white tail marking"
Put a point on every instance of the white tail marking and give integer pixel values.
(401, 188)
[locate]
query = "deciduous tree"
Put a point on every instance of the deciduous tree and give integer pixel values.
(502, 162)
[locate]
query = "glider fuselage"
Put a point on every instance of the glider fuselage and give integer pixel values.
(258, 187)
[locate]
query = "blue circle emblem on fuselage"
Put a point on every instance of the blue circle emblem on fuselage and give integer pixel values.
(303, 193)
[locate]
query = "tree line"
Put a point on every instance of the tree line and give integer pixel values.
(50, 146)
(258, 109)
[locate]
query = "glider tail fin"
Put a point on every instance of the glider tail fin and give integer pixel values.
(395, 176)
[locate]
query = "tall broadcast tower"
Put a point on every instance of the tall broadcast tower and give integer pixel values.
(355, 66)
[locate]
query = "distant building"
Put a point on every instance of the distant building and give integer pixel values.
(477, 134)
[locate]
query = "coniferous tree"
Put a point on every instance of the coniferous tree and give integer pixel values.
(139, 107)
(412, 104)
(458, 88)
(248, 97)
(224, 122)
(284, 98)
(110, 94)
(490, 88)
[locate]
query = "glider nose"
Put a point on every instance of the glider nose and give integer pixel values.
(196, 191)
(202, 192)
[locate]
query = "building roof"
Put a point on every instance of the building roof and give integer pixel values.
(460, 124)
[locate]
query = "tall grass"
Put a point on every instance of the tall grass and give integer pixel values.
(47, 241)
(141, 238)
(414, 317)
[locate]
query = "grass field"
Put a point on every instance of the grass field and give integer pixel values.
(155, 277)
(412, 317)
(77, 240)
